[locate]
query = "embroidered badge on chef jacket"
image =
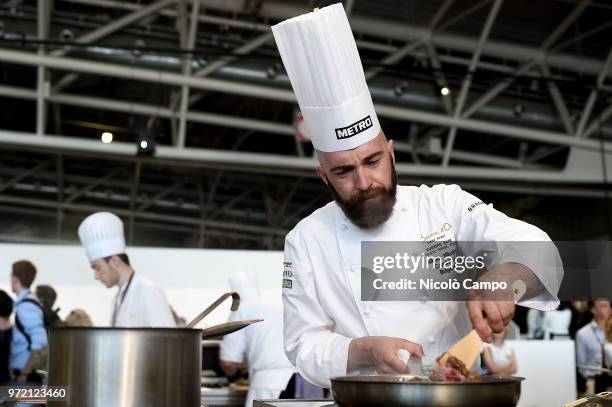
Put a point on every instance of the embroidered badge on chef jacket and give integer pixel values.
(287, 269)
(287, 274)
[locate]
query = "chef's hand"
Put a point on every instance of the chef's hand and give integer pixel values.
(380, 352)
(490, 311)
(490, 317)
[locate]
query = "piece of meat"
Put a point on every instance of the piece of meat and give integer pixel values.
(452, 371)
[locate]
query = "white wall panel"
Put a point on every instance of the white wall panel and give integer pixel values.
(191, 278)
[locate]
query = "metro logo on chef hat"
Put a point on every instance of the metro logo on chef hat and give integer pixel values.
(321, 58)
(101, 235)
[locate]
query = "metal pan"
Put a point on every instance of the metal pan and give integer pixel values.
(405, 391)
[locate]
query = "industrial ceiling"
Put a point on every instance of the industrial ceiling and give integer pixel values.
(526, 118)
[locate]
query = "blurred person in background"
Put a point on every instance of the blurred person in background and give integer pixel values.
(556, 323)
(608, 344)
(590, 341)
(581, 315)
(535, 318)
(46, 296)
(6, 335)
(139, 302)
(261, 344)
(78, 317)
(29, 343)
(499, 357)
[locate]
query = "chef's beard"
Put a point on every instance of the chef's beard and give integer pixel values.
(369, 209)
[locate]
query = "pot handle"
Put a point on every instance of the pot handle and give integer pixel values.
(234, 307)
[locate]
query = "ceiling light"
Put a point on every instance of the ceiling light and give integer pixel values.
(146, 142)
(107, 137)
(445, 91)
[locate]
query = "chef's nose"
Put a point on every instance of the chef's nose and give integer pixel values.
(362, 180)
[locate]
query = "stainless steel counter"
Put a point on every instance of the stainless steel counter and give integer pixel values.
(294, 403)
(229, 396)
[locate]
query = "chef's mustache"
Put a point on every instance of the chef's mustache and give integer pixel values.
(360, 197)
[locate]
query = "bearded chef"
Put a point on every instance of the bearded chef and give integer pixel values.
(138, 302)
(328, 330)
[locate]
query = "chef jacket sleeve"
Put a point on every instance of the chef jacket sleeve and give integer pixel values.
(158, 308)
(318, 353)
(233, 347)
(479, 226)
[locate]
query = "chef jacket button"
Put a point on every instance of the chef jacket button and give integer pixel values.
(366, 311)
(431, 339)
(404, 208)
(355, 267)
(343, 226)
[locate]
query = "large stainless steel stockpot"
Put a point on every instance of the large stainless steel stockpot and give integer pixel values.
(126, 367)
(133, 367)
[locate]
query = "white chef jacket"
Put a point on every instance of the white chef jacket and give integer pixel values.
(323, 309)
(262, 344)
(144, 305)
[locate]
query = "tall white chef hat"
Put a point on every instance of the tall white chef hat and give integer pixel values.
(101, 235)
(321, 58)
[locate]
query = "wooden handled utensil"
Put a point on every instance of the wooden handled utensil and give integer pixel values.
(468, 348)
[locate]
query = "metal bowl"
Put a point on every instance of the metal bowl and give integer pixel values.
(418, 391)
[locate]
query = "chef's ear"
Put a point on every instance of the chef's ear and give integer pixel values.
(114, 261)
(322, 175)
(390, 148)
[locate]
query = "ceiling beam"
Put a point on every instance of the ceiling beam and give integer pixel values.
(400, 31)
(467, 81)
(251, 90)
(277, 163)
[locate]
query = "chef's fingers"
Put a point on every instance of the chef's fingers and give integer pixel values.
(494, 316)
(478, 322)
(413, 348)
(392, 361)
(507, 311)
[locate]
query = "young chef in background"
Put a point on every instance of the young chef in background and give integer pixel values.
(329, 331)
(261, 345)
(139, 302)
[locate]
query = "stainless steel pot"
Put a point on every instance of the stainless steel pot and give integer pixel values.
(126, 367)
(402, 391)
(132, 367)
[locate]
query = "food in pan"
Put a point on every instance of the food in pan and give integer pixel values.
(453, 370)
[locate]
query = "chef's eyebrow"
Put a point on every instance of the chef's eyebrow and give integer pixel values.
(349, 167)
